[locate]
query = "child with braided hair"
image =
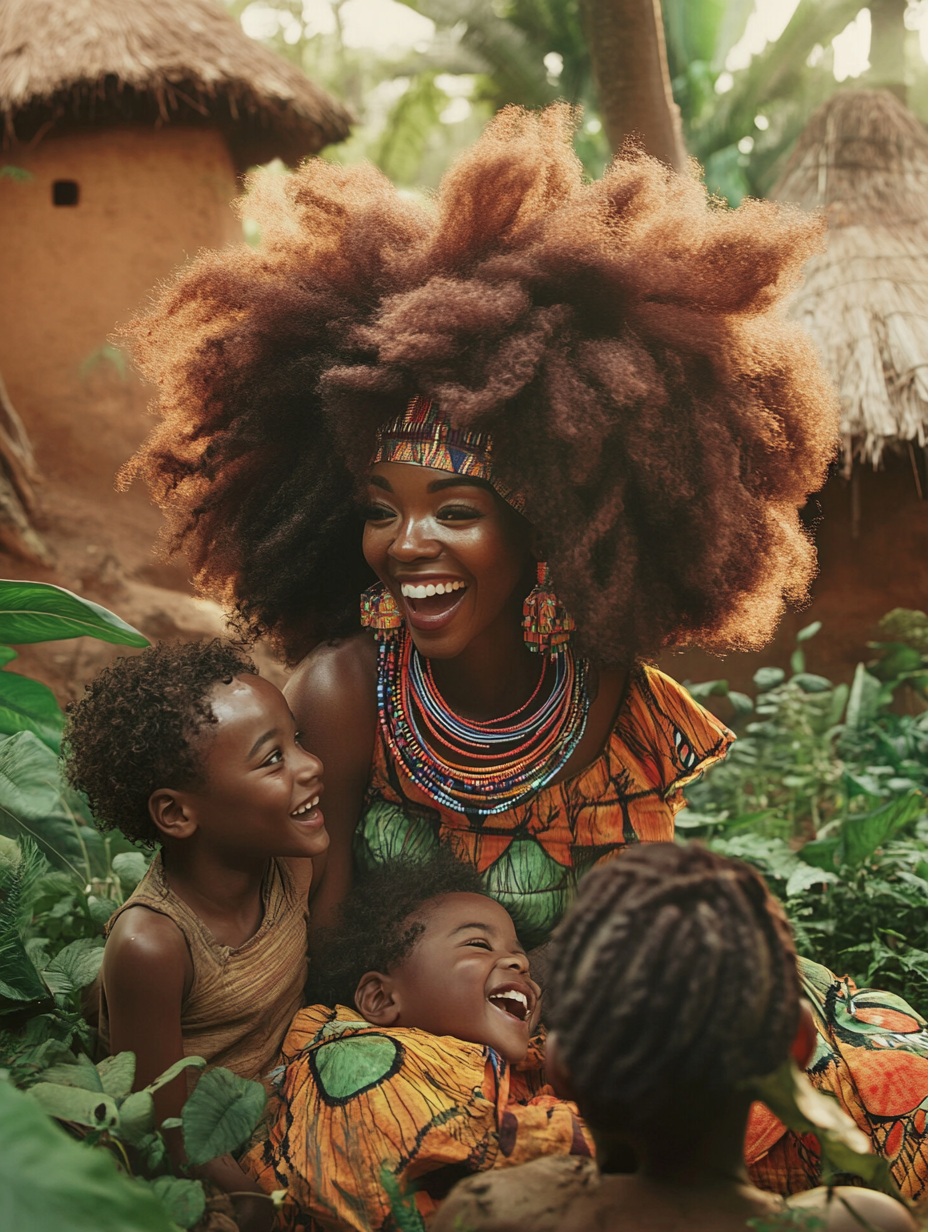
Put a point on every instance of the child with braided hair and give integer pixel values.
(673, 983)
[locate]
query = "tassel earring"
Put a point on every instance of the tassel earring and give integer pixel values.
(546, 626)
(380, 613)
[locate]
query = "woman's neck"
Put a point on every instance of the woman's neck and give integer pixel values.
(702, 1148)
(495, 674)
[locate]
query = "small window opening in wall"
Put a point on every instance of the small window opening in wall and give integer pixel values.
(65, 192)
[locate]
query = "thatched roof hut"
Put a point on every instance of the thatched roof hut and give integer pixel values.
(72, 63)
(863, 158)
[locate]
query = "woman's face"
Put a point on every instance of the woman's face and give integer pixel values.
(454, 555)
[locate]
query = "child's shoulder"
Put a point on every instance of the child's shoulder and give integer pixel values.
(532, 1198)
(143, 945)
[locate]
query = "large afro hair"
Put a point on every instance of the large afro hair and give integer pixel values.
(623, 340)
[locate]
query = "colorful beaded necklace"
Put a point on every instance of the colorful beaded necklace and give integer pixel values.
(522, 754)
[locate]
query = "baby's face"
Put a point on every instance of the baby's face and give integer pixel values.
(468, 976)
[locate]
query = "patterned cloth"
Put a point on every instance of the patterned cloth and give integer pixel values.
(872, 1055)
(532, 856)
(369, 1121)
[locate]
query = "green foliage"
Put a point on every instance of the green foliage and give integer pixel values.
(37, 612)
(825, 793)
(49, 1182)
(19, 175)
(220, 1114)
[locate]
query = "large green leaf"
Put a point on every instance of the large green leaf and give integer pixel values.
(184, 1201)
(864, 834)
(91, 1108)
(36, 802)
(50, 1183)
(220, 1114)
(74, 967)
(137, 1117)
(27, 705)
(37, 612)
(19, 980)
(20, 870)
(117, 1073)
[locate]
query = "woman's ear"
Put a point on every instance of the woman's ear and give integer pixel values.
(806, 1035)
(556, 1071)
(171, 813)
(375, 999)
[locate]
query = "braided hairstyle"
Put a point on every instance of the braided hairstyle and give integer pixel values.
(673, 976)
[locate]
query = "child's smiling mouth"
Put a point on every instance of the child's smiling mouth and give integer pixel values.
(515, 1000)
(307, 813)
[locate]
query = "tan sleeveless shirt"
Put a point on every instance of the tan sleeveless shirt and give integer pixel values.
(241, 1000)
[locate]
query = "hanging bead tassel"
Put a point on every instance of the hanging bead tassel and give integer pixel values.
(380, 613)
(546, 626)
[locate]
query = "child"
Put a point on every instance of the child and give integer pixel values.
(430, 1075)
(186, 748)
(673, 983)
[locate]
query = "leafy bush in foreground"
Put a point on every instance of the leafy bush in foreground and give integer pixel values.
(825, 793)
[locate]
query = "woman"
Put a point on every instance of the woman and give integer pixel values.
(578, 397)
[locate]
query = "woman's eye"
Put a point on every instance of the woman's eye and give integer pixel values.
(459, 513)
(298, 739)
(377, 513)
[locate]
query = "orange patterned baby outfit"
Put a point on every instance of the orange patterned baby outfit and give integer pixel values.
(532, 856)
(368, 1122)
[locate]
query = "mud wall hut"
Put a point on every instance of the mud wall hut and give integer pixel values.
(124, 124)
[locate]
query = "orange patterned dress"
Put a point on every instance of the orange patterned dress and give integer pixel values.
(371, 1126)
(531, 857)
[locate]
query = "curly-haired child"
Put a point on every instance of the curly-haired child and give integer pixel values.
(673, 984)
(423, 1070)
(186, 748)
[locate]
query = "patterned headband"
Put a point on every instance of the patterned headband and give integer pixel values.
(420, 438)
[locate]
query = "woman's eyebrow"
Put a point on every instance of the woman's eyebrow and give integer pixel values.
(379, 482)
(455, 481)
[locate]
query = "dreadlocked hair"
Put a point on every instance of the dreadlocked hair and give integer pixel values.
(380, 921)
(672, 975)
(622, 340)
(137, 728)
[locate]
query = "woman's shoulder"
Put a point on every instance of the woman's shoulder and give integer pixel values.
(668, 730)
(336, 681)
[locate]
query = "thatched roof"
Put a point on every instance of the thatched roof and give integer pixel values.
(863, 158)
(78, 62)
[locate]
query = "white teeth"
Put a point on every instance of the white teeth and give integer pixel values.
(510, 995)
(304, 808)
(426, 591)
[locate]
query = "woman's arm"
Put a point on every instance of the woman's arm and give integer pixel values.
(333, 695)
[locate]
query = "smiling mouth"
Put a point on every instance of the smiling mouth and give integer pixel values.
(429, 604)
(306, 811)
(511, 1002)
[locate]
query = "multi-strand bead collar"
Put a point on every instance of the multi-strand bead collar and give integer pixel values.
(522, 755)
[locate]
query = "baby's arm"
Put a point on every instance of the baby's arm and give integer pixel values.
(147, 972)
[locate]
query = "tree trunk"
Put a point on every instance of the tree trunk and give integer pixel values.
(887, 46)
(18, 473)
(626, 40)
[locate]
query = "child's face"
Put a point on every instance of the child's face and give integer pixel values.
(262, 788)
(468, 976)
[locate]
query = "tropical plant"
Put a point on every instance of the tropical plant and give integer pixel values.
(825, 793)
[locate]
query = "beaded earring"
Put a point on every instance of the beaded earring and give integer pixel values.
(546, 626)
(380, 613)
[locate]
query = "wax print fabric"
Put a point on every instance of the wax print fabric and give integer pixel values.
(872, 1055)
(370, 1127)
(532, 856)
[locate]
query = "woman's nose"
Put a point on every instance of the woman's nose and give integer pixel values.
(414, 540)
